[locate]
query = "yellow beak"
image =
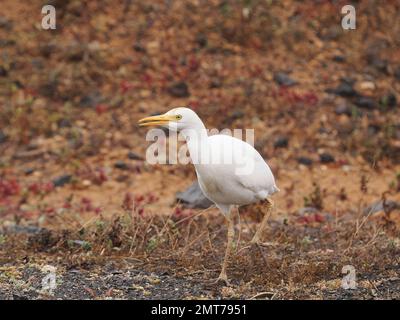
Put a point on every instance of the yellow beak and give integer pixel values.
(156, 120)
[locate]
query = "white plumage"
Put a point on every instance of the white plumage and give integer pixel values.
(230, 171)
(221, 182)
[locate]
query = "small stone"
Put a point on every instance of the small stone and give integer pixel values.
(201, 40)
(64, 123)
(62, 180)
(344, 89)
(281, 142)
(134, 156)
(283, 79)
(3, 72)
(332, 33)
(121, 165)
(3, 137)
(387, 206)
(29, 171)
(19, 229)
(365, 102)
(86, 183)
(179, 90)
(397, 73)
(305, 161)
(90, 100)
(343, 108)
(366, 86)
(326, 158)
(193, 197)
(339, 58)
(153, 47)
(215, 83)
(138, 47)
(37, 63)
(379, 64)
(6, 23)
(389, 100)
(307, 210)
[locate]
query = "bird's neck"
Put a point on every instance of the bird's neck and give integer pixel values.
(197, 142)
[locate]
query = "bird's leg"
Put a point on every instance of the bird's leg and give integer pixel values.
(257, 237)
(231, 233)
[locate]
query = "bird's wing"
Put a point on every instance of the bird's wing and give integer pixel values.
(249, 169)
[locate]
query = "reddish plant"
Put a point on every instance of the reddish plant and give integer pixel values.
(9, 188)
(101, 108)
(41, 188)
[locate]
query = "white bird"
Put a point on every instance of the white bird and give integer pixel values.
(230, 172)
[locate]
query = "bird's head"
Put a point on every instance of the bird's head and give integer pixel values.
(176, 119)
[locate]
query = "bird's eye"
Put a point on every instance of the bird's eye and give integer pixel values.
(178, 117)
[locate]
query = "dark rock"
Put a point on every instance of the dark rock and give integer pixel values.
(3, 137)
(326, 158)
(281, 142)
(373, 129)
(344, 89)
(64, 123)
(5, 23)
(19, 84)
(6, 42)
(323, 130)
(305, 161)
(283, 79)
(365, 102)
(332, 33)
(121, 165)
(29, 171)
(201, 40)
(397, 73)
(215, 83)
(80, 243)
(90, 100)
(193, 197)
(235, 115)
(47, 49)
(20, 297)
(379, 64)
(49, 89)
(134, 156)
(62, 180)
(389, 100)
(3, 72)
(307, 210)
(18, 229)
(380, 205)
(179, 90)
(344, 108)
(75, 52)
(37, 63)
(138, 47)
(339, 58)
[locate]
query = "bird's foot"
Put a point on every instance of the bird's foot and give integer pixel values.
(222, 279)
(258, 243)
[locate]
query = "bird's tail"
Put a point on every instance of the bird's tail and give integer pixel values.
(276, 189)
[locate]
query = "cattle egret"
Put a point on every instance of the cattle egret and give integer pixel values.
(230, 172)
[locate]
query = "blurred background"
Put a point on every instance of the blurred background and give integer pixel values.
(323, 101)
